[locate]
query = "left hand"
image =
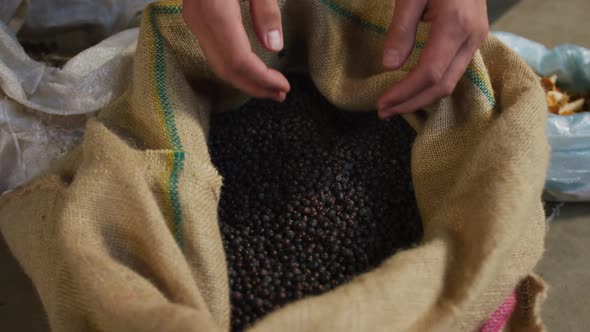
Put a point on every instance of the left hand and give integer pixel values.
(458, 29)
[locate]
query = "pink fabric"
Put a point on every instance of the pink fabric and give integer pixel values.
(499, 318)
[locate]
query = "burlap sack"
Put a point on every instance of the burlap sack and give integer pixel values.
(122, 235)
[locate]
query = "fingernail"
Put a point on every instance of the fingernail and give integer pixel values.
(274, 40)
(391, 58)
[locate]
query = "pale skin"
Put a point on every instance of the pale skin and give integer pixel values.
(458, 29)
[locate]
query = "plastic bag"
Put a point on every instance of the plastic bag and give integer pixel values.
(568, 178)
(43, 108)
(50, 16)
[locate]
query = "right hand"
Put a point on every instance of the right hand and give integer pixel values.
(217, 25)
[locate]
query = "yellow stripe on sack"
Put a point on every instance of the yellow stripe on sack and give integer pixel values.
(164, 185)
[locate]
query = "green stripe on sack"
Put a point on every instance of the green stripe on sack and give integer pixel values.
(160, 76)
(169, 120)
(159, 10)
(177, 168)
(346, 13)
(483, 87)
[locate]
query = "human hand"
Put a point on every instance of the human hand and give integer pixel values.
(217, 25)
(458, 29)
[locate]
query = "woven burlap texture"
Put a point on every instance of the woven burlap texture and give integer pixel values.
(121, 234)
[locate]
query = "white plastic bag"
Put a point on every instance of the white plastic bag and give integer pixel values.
(568, 178)
(42, 108)
(109, 16)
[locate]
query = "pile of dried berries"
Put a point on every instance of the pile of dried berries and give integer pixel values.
(312, 196)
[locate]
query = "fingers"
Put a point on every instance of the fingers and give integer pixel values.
(402, 32)
(266, 17)
(436, 57)
(445, 87)
(259, 80)
(453, 41)
(217, 24)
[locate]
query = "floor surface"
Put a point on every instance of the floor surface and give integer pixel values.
(565, 266)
